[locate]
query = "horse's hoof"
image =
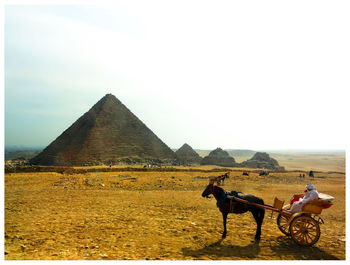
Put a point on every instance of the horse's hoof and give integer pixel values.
(255, 241)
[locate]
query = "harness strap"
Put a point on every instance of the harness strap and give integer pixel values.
(231, 203)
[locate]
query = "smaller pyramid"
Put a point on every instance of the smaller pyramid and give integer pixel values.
(219, 157)
(187, 155)
(261, 160)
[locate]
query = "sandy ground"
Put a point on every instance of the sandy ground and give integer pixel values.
(156, 215)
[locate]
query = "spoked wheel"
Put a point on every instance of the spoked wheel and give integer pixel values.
(282, 222)
(304, 230)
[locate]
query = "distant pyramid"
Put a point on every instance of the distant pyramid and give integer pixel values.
(219, 157)
(108, 133)
(261, 160)
(187, 155)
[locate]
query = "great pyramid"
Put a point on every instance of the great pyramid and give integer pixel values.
(108, 133)
(187, 155)
(219, 157)
(262, 160)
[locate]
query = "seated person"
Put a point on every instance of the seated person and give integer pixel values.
(310, 194)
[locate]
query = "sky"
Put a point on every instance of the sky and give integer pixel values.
(231, 74)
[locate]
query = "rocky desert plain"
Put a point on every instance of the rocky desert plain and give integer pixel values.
(131, 213)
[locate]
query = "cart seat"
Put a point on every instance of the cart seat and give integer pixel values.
(316, 206)
(325, 198)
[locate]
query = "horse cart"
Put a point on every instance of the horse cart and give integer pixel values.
(303, 226)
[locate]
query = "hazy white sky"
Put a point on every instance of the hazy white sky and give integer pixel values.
(229, 74)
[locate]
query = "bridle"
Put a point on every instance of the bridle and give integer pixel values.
(211, 191)
(217, 179)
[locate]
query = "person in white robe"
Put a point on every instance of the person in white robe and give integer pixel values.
(311, 194)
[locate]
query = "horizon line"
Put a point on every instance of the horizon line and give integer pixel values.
(18, 147)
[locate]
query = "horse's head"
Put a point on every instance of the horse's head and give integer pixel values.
(208, 190)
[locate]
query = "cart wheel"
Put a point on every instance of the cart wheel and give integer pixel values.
(304, 230)
(282, 223)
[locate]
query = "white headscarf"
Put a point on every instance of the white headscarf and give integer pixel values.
(310, 187)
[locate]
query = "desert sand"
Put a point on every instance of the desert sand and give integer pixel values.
(157, 215)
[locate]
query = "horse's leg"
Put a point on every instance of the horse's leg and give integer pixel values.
(259, 217)
(224, 218)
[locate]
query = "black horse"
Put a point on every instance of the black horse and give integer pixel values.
(238, 207)
(264, 173)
